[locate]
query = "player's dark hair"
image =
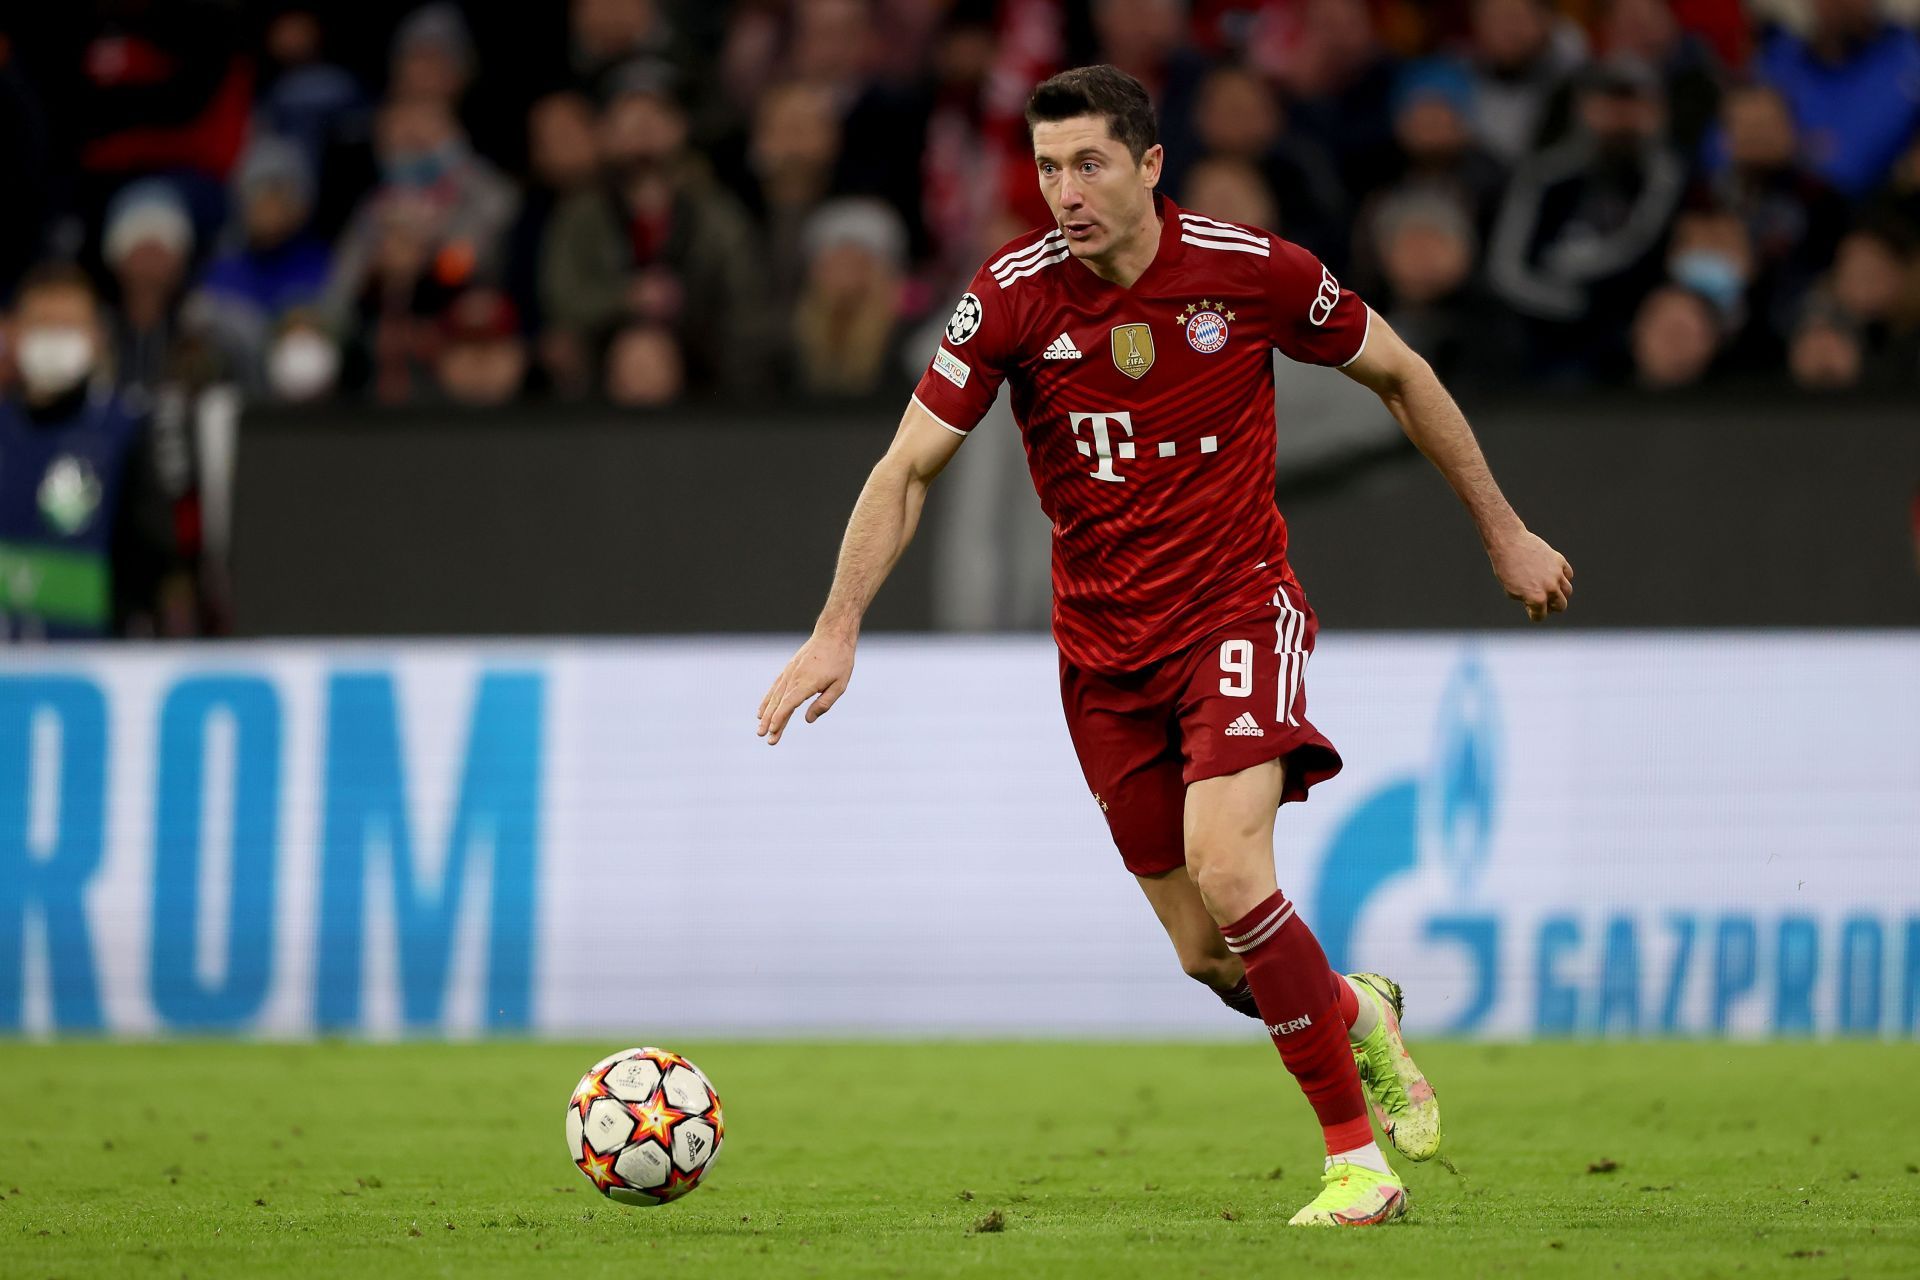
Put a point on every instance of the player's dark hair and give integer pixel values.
(1098, 91)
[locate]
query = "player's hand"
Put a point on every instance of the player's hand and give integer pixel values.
(823, 666)
(1533, 573)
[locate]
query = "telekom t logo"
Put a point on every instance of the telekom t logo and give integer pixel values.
(1102, 446)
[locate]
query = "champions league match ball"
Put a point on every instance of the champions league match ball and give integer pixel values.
(644, 1126)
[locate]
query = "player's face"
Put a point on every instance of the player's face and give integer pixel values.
(1099, 196)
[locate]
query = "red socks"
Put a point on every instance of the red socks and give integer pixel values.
(1305, 1015)
(1349, 1002)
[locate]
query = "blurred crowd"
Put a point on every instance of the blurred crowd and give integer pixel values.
(205, 203)
(647, 200)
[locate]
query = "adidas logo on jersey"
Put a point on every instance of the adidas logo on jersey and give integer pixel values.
(1245, 726)
(1061, 348)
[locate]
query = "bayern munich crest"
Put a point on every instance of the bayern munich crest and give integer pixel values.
(1206, 326)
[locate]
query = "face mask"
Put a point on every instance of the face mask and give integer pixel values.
(422, 168)
(1712, 274)
(302, 366)
(54, 361)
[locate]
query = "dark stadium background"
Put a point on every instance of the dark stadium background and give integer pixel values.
(1733, 254)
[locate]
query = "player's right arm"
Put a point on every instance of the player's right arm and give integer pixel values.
(956, 391)
(954, 394)
(882, 524)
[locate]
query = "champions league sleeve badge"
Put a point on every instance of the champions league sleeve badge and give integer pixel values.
(966, 320)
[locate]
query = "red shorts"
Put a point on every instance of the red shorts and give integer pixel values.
(1232, 701)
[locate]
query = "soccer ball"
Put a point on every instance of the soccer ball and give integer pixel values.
(644, 1126)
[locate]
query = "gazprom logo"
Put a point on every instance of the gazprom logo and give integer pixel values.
(1546, 953)
(1460, 795)
(274, 846)
(1450, 808)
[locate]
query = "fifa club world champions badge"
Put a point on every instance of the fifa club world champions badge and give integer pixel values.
(1206, 326)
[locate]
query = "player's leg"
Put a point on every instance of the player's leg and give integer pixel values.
(1367, 1006)
(1196, 938)
(1120, 731)
(1228, 831)
(1244, 702)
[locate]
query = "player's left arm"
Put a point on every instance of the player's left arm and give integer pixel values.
(1531, 571)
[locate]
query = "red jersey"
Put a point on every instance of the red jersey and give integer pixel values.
(1148, 418)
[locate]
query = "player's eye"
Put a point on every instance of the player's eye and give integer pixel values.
(1089, 167)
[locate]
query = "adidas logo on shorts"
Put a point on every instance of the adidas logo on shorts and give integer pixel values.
(1061, 348)
(1245, 727)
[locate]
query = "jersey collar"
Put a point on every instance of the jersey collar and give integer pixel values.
(1165, 257)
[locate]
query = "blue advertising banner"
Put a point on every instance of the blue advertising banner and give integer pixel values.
(1547, 835)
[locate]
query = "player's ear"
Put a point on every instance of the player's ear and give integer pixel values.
(1150, 162)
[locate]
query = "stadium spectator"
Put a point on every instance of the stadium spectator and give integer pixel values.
(1340, 84)
(1862, 324)
(659, 242)
(1711, 256)
(1577, 240)
(391, 335)
(432, 59)
(645, 369)
(846, 322)
(1237, 116)
(1873, 284)
(313, 103)
(564, 159)
(1149, 40)
(1650, 31)
(750, 52)
(1826, 352)
(320, 107)
(439, 212)
(967, 165)
(736, 124)
(605, 35)
(883, 112)
(1677, 334)
(86, 532)
(482, 358)
(1437, 149)
(1425, 247)
(1871, 272)
(1231, 189)
(275, 267)
(1523, 55)
(1793, 218)
(833, 43)
(147, 247)
(791, 155)
(1854, 84)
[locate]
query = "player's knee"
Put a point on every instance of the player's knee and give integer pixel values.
(1230, 886)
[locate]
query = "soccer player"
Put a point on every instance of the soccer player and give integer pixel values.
(1134, 337)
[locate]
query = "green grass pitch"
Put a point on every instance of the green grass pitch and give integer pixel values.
(952, 1159)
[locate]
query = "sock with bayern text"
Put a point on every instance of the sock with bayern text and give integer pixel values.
(1288, 974)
